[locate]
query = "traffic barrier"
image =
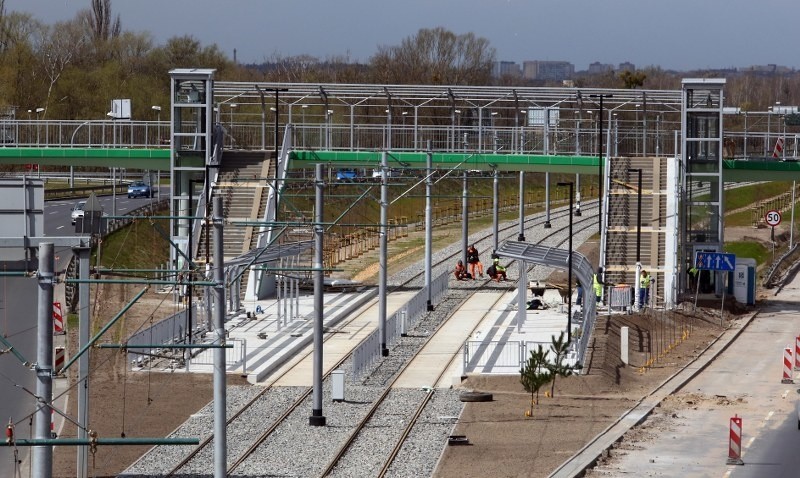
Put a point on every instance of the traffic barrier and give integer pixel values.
(58, 319)
(797, 353)
(58, 359)
(787, 365)
(735, 442)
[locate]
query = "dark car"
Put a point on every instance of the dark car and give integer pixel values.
(139, 189)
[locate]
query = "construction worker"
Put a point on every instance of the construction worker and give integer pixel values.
(693, 272)
(644, 289)
(598, 284)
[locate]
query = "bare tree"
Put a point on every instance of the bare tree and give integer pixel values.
(100, 21)
(435, 56)
(56, 47)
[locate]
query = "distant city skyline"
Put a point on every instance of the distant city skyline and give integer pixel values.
(677, 35)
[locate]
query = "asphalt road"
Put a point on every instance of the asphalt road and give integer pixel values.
(18, 306)
(745, 380)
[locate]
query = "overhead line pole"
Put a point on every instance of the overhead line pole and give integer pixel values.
(42, 456)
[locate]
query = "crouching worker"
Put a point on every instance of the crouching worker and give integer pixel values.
(460, 272)
(496, 271)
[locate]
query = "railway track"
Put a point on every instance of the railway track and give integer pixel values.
(385, 402)
(244, 442)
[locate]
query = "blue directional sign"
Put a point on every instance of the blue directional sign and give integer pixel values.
(715, 261)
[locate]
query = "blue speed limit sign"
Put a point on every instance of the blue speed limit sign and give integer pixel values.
(773, 217)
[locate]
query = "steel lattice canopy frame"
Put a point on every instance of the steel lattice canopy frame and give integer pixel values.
(426, 97)
(559, 258)
(468, 119)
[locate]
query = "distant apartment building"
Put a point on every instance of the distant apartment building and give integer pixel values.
(506, 68)
(547, 70)
(770, 69)
(627, 66)
(598, 68)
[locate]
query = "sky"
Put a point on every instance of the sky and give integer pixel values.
(672, 34)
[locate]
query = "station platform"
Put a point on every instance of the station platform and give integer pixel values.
(265, 338)
(270, 336)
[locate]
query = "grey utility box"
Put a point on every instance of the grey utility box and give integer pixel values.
(337, 385)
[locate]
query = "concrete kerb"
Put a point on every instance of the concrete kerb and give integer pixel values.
(307, 339)
(587, 456)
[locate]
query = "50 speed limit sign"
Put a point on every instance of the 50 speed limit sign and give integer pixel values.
(773, 218)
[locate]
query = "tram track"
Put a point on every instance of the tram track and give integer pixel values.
(292, 403)
(387, 390)
(382, 403)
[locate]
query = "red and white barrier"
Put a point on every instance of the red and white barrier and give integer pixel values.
(58, 319)
(787, 365)
(735, 442)
(776, 153)
(59, 358)
(53, 424)
(797, 353)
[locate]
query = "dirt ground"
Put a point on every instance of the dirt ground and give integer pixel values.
(127, 404)
(502, 438)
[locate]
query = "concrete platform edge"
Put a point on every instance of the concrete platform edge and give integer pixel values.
(261, 374)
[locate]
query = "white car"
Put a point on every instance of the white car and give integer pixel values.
(77, 211)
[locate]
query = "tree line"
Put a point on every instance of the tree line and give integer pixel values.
(72, 69)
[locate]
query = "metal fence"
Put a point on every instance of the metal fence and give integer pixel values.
(479, 355)
(171, 330)
(397, 325)
(110, 226)
(235, 356)
(620, 297)
(504, 356)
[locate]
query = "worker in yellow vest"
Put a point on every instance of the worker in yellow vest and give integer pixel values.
(644, 289)
(598, 284)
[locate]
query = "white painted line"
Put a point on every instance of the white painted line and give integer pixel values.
(784, 394)
(59, 227)
(769, 415)
(750, 442)
(727, 473)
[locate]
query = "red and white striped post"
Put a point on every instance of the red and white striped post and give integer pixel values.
(776, 153)
(735, 442)
(58, 319)
(787, 365)
(797, 353)
(58, 359)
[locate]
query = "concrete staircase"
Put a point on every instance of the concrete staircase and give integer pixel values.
(243, 186)
(622, 202)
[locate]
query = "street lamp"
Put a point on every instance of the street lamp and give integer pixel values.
(157, 109)
(38, 111)
(569, 266)
(637, 285)
(303, 109)
(601, 96)
(493, 115)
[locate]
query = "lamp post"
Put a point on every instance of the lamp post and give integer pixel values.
(637, 284)
(569, 266)
(769, 127)
(157, 109)
(600, 96)
(303, 109)
(38, 111)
